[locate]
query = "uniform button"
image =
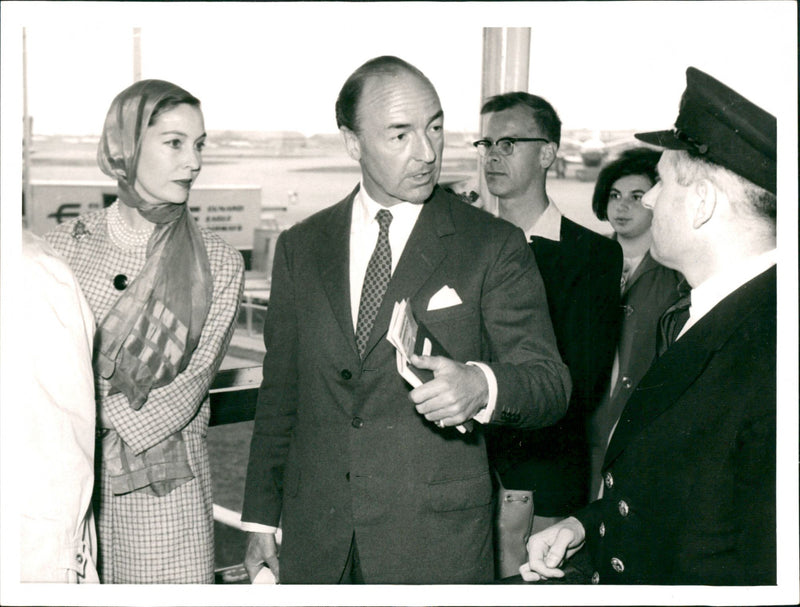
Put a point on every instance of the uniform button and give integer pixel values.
(626, 382)
(357, 422)
(602, 529)
(617, 565)
(623, 508)
(79, 559)
(346, 374)
(609, 480)
(595, 578)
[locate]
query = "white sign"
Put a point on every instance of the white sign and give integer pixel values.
(233, 211)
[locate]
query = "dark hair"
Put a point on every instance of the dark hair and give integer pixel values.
(635, 161)
(543, 113)
(179, 97)
(349, 96)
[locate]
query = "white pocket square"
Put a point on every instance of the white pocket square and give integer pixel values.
(444, 298)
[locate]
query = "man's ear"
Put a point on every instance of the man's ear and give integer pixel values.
(351, 143)
(706, 198)
(547, 154)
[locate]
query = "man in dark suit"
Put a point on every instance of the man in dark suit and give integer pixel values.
(689, 474)
(372, 481)
(581, 272)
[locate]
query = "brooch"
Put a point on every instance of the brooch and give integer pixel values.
(79, 232)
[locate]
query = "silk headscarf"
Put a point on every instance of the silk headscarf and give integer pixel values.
(148, 336)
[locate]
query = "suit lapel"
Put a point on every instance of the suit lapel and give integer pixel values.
(422, 254)
(648, 264)
(333, 257)
(560, 262)
(672, 373)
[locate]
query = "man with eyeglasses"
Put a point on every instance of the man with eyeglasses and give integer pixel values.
(545, 472)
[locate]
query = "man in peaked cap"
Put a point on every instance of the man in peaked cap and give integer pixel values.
(689, 474)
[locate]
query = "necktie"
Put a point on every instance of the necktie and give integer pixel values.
(673, 319)
(379, 270)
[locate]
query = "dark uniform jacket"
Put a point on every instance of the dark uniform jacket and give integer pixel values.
(581, 275)
(690, 471)
(338, 448)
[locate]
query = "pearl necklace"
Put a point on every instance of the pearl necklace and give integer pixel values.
(121, 234)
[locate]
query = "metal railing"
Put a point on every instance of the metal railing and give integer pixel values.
(233, 396)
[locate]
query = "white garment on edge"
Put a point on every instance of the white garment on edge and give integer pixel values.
(57, 539)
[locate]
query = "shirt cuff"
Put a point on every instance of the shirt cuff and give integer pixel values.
(484, 416)
(257, 528)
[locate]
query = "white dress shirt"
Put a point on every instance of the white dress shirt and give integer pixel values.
(714, 289)
(364, 231)
(548, 225)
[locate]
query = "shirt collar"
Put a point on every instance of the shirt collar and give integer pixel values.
(548, 225)
(714, 289)
(366, 209)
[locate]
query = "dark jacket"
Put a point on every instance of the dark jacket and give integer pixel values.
(689, 474)
(339, 449)
(581, 274)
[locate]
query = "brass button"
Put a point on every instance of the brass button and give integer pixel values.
(357, 422)
(609, 479)
(617, 565)
(602, 529)
(595, 578)
(623, 508)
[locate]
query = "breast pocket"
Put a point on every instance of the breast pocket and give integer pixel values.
(457, 328)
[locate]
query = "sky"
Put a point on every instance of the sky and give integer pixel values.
(276, 66)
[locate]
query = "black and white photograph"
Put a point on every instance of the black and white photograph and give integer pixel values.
(399, 303)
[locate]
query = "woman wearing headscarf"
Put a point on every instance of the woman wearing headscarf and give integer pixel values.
(165, 294)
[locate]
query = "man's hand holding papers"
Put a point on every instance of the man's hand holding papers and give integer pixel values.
(409, 337)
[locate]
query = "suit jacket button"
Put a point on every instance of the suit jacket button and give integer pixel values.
(623, 508)
(617, 565)
(357, 422)
(346, 374)
(609, 480)
(626, 382)
(595, 578)
(602, 529)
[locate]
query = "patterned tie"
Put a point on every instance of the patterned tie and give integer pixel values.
(377, 277)
(673, 319)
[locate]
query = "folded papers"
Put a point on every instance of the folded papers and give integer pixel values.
(409, 337)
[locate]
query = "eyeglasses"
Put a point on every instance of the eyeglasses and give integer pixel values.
(504, 145)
